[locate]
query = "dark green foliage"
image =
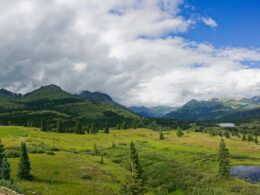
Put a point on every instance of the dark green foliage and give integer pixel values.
(256, 140)
(106, 129)
(24, 166)
(78, 128)
(136, 182)
(179, 133)
(250, 138)
(93, 129)
(43, 125)
(244, 137)
(123, 125)
(51, 103)
(161, 135)
(118, 126)
(223, 159)
(226, 134)
(2, 154)
(5, 169)
(60, 126)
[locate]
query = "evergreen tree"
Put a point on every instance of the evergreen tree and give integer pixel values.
(256, 140)
(244, 137)
(179, 133)
(250, 138)
(60, 126)
(2, 154)
(161, 135)
(223, 159)
(136, 183)
(106, 129)
(5, 171)
(24, 166)
(43, 125)
(78, 128)
(28, 123)
(117, 126)
(123, 125)
(226, 134)
(93, 128)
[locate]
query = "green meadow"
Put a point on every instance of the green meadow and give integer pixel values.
(66, 164)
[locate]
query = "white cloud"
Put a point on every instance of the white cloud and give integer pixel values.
(209, 22)
(116, 47)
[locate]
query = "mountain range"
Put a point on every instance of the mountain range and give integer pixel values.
(152, 112)
(52, 103)
(218, 109)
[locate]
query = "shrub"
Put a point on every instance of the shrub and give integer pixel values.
(86, 177)
(50, 153)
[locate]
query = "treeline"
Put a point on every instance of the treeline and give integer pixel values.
(79, 127)
(24, 166)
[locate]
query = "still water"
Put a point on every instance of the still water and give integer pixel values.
(249, 172)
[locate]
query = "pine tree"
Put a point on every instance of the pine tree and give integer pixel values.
(106, 129)
(117, 126)
(43, 125)
(28, 123)
(244, 137)
(2, 154)
(256, 140)
(226, 134)
(136, 183)
(5, 169)
(223, 159)
(161, 135)
(60, 126)
(179, 133)
(24, 166)
(93, 128)
(123, 125)
(250, 138)
(78, 128)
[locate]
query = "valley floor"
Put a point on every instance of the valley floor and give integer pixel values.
(66, 164)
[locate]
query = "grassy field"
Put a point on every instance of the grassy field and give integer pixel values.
(66, 164)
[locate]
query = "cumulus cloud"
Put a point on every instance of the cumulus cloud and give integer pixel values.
(209, 22)
(117, 47)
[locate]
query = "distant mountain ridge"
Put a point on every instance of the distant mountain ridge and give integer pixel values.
(152, 112)
(6, 93)
(218, 109)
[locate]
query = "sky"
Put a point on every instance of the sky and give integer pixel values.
(140, 52)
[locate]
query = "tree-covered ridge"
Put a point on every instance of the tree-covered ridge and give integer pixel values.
(51, 103)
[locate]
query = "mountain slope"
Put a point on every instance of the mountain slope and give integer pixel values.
(51, 103)
(152, 112)
(97, 97)
(217, 109)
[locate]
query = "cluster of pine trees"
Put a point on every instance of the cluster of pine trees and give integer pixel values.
(250, 138)
(61, 126)
(24, 166)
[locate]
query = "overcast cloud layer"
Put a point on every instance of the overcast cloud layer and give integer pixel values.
(119, 47)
